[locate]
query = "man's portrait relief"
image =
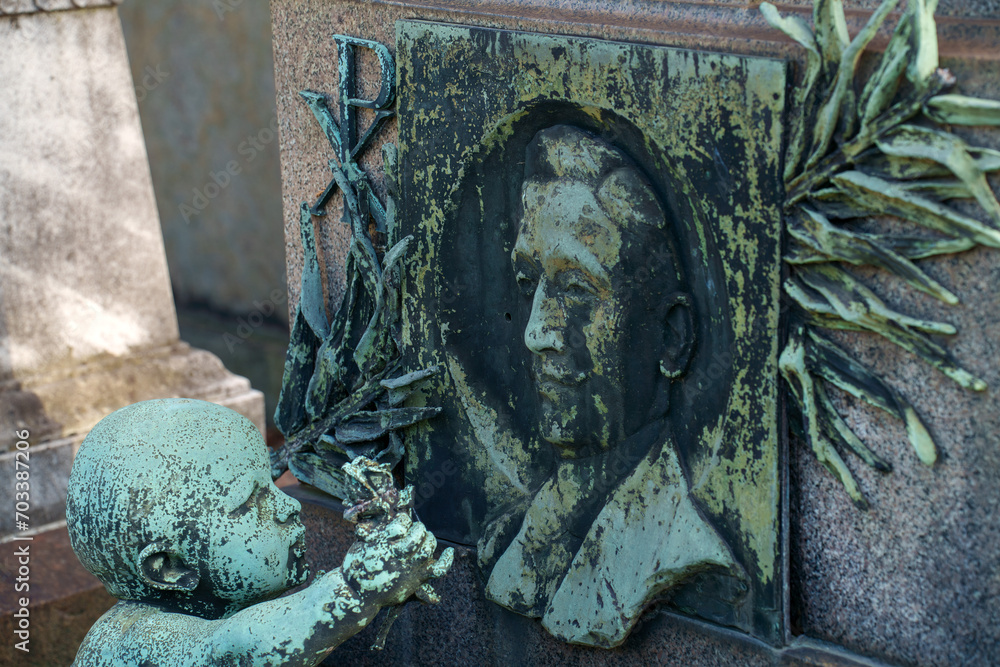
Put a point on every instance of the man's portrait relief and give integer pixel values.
(582, 275)
(605, 350)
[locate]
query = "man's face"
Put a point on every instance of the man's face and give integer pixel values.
(568, 262)
(255, 542)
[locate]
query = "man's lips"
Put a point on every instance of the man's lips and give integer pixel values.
(550, 376)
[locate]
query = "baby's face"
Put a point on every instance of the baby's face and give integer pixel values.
(255, 542)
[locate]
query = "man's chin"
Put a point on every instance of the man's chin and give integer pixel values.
(572, 438)
(564, 438)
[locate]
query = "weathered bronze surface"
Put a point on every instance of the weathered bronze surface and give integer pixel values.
(341, 393)
(858, 151)
(870, 148)
(595, 267)
(171, 505)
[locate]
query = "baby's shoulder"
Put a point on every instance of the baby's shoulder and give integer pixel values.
(137, 633)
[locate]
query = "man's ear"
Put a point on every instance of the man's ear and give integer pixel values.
(678, 335)
(163, 569)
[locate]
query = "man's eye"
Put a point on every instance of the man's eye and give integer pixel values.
(526, 284)
(580, 288)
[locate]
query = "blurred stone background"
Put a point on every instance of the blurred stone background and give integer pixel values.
(87, 321)
(204, 79)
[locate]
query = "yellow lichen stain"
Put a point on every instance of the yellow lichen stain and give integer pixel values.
(499, 455)
(746, 485)
(698, 106)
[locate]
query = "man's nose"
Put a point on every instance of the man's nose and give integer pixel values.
(544, 332)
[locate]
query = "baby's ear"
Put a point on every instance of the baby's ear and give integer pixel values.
(163, 569)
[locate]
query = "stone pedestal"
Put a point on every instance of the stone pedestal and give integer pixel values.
(87, 321)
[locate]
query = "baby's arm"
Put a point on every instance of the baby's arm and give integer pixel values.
(302, 629)
(298, 629)
(385, 566)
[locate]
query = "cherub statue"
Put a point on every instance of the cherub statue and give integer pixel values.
(171, 505)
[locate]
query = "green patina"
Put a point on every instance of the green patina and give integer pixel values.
(707, 122)
(853, 157)
(171, 505)
(706, 130)
(562, 485)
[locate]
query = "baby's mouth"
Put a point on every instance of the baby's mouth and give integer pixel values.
(297, 550)
(298, 568)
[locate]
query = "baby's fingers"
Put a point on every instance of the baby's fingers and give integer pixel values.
(415, 543)
(428, 546)
(443, 564)
(400, 526)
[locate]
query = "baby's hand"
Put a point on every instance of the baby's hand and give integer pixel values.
(391, 563)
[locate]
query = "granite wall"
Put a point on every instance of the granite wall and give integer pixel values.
(913, 580)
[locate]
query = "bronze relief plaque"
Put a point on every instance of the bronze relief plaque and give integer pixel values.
(595, 271)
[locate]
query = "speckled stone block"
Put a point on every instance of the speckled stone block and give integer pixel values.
(65, 600)
(915, 580)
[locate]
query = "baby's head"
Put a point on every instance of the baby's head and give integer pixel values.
(171, 502)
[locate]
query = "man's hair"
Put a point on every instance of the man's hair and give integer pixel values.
(623, 192)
